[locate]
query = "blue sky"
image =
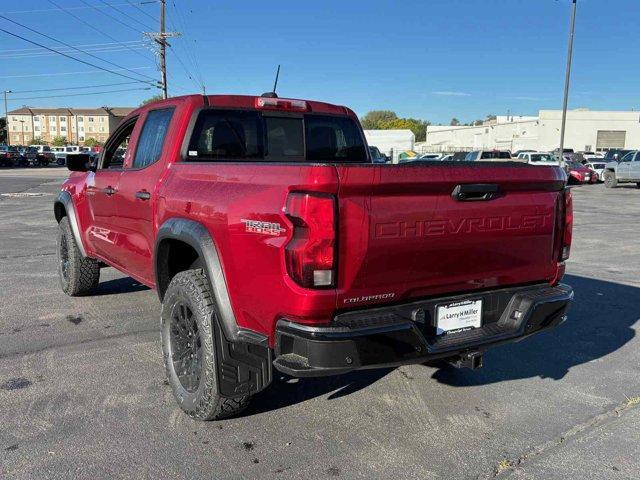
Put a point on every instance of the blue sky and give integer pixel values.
(429, 59)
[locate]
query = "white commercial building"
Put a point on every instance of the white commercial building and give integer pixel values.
(586, 130)
(391, 142)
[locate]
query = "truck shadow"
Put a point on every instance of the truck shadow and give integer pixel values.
(286, 391)
(119, 285)
(599, 322)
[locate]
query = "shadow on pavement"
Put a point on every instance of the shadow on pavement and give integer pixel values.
(119, 285)
(599, 322)
(286, 391)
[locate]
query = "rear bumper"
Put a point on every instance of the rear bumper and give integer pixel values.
(404, 334)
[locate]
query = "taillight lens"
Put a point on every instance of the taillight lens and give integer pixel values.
(568, 225)
(310, 254)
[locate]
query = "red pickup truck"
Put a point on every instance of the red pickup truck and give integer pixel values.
(273, 241)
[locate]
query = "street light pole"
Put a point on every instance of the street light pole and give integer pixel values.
(22, 125)
(567, 78)
(6, 116)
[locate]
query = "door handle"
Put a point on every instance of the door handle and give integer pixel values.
(109, 191)
(143, 195)
(475, 192)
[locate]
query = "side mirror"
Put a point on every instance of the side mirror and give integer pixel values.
(81, 162)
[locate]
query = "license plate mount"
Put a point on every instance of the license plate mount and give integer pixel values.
(458, 316)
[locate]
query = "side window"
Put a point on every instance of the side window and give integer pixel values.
(152, 137)
(116, 147)
(628, 157)
(637, 157)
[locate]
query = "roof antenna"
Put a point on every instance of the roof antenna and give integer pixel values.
(273, 94)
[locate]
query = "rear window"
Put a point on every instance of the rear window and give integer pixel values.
(250, 135)
(541, 157)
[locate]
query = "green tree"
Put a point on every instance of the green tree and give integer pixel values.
(373, 119)
(454, 122)
(37, 141)
(490, 117)
(477, 123)
(155, 98)
(3, 130)
(418, 127)
(59, 141)
(92, 142)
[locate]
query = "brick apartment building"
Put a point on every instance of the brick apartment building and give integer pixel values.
(75, 124)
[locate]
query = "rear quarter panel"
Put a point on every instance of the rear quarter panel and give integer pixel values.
(221, 196)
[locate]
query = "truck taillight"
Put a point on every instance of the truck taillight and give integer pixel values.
(568, 225)
(288, 104)
(310, 254)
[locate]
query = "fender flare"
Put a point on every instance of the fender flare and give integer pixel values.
(64, 202)
(197, 236)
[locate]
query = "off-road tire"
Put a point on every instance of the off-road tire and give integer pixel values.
(191, 288)
(77, 275)
(610, 180)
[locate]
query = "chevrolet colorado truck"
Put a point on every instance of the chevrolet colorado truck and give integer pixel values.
(276, 244)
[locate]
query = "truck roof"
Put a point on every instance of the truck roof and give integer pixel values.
(249, 102)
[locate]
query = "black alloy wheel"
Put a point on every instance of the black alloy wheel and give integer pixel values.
(186, 346)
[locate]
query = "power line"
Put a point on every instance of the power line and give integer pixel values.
(18, 50)
(48, 74)
(93, 27)
(188, 53)
(115, 19)
(76, 59)
(111, 49)
(73, 88)
(42, 10)
(81, 94)
(141, 10)
(126, 15)
(70, 46)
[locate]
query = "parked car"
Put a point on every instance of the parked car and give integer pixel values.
(446, 158)
(578, 173)
(376, 156)
(29, 156)
(539, 158)
(459, 156)
(9, 156)
(592, 155)
(597, 165)
(276, 245)
(487, 155)
(60, 155)
(429, 156)
(517, 153)
(625, 170)
(45, 155)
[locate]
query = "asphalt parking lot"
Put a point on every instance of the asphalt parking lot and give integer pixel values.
(82, 391)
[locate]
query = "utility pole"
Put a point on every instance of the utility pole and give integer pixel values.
(161, 39)
(566, 79)
(6, 116)
(163, 49)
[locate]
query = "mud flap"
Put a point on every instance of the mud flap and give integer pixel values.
(243, 368)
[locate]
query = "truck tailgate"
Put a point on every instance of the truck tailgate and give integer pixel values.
(402, 235)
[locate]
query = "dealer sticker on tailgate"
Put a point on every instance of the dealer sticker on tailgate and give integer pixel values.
(459, 316)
